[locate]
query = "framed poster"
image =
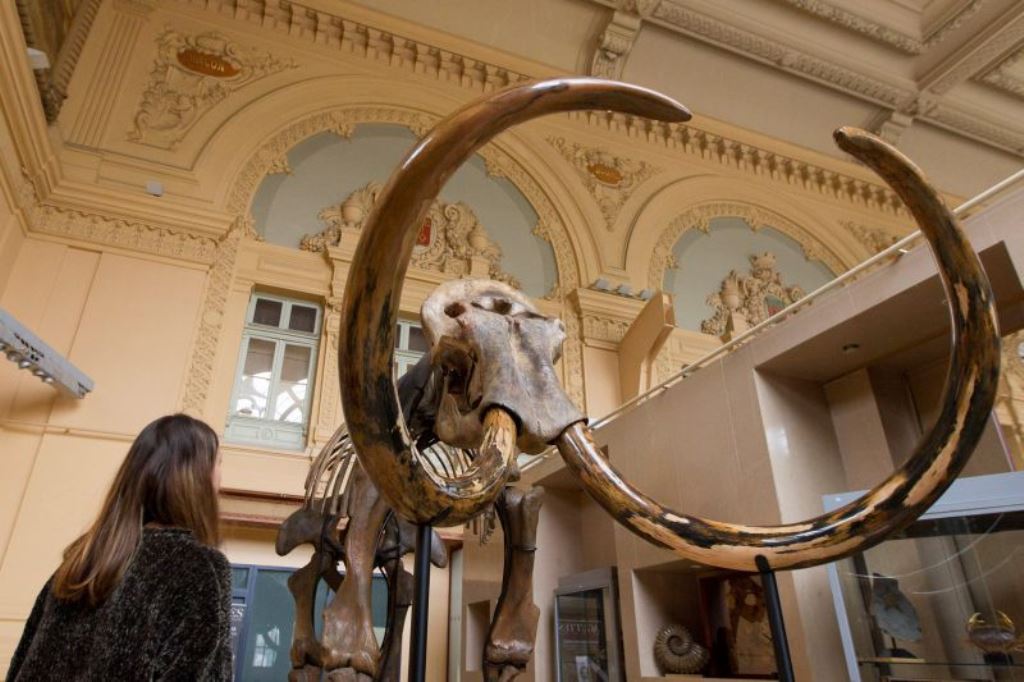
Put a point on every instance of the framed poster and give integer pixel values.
(587, 639)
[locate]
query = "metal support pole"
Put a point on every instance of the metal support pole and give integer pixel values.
(420, 606)
(778, 626)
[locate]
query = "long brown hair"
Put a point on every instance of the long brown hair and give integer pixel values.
(166, 479)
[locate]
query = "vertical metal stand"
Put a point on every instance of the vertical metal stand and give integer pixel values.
(420, 606)
(774, 607)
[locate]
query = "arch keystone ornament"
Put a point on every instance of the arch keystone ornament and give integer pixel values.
(470, 320)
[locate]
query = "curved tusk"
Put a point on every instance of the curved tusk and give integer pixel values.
(966, 402)
(370, 308)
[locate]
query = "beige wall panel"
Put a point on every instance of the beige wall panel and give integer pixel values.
(601, 368)
(256, 546)
(46, 292)
(859, 430)
(11, 238)
(18, 451)
(264, 470)
(134, 342)
(70, 477)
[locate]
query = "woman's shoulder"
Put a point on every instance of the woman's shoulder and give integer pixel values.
(176, 554)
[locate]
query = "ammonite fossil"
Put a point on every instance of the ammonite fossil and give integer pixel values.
(676, 652)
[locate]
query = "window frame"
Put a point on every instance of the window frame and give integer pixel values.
(281, 336)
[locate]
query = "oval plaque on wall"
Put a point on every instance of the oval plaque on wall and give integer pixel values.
(207, 64)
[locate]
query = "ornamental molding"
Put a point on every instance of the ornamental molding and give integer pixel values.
(609, 178)
(743, 301)
(103, 230)
(874, 239)
(699, 217)
(680, 18)
(1002, 76)
(605, 316)
(191, 74)
(1006, 38)
(338, 34)
(614, 44)
(202, 362)
(35, 26)
(885, 34)
(711, 148)
(451, 241)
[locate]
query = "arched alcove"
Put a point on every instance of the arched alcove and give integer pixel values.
(702, 259)
(319, 173)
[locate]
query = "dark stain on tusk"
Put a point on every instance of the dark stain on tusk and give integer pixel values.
(940, 455)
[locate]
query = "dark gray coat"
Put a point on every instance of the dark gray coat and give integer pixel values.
(167, 620)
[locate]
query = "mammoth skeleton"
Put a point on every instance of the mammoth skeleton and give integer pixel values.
(497, 391)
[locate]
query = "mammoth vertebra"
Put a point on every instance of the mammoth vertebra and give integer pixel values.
(383, 443)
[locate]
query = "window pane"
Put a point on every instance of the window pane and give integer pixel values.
(398, 335)
(239, 578)
(293, 386)
(417, 340)
(267, 312)
(269, 636)
(302, 318)
(252, 394)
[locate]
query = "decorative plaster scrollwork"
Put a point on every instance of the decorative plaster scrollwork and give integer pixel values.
(192, 74)
(611, 179)
(753, 298)
(614, 44)
(875, 239)
(450, 241)
(604, 328)
(211, 318)
(700, 217)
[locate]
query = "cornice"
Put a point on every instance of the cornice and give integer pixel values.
(1002, 76)
(89, 226)
(860, 24)
(674, 16)
(311, 25)
(886, 35)
(605, 318)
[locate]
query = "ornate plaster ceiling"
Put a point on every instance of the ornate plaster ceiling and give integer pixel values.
(956, 64)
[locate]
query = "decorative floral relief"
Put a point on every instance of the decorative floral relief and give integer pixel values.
(610, 179)
(190, 76)
(874, 239)
(753, 297)
(449, 240)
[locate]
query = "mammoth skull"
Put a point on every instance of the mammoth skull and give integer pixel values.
(494, 349)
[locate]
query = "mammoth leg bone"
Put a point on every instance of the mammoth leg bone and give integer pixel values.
(892, 505)
(510, 640)
(350, 650)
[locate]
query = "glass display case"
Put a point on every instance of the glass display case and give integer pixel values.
(944, 600)
(588, 639)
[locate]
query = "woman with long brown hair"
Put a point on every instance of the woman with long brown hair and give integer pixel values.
(143, 594)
